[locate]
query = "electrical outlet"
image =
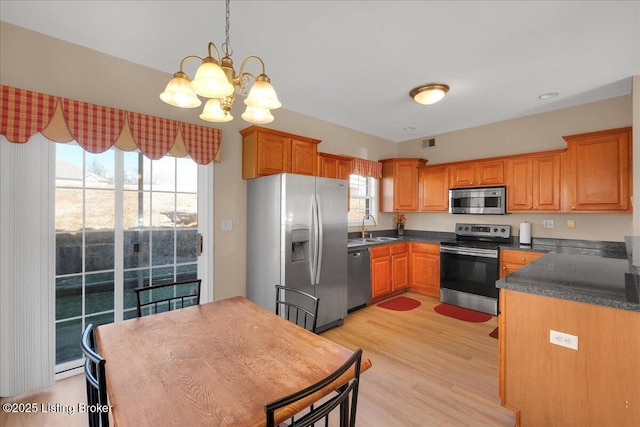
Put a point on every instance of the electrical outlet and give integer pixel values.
(562, 339)
(571, 224)
(548, 223)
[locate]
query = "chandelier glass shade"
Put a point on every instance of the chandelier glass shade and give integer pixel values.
(216, 80)
(429, 94)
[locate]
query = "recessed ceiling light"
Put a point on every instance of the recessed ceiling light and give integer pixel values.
(409, 129)
(548, 95)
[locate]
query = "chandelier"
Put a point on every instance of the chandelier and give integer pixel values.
(216, 80)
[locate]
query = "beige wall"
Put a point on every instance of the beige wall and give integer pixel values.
(32, 61)
(537, 132)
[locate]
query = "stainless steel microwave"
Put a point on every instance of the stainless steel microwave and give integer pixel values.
(478, 201)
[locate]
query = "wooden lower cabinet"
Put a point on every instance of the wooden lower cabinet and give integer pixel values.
(511, 261)
(425, 268)
(399, 267)
(389, 269)
(549, 385)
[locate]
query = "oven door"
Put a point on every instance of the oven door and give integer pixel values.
(469, 270)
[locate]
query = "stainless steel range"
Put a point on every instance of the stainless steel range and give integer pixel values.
(469, 266)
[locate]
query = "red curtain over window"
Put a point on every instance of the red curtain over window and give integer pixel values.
(24, 113)
(97, 128)
(366, 168)
(94, 127)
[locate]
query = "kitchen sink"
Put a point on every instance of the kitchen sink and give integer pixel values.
(369, 240)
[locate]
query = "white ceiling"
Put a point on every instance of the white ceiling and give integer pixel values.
(354, 62)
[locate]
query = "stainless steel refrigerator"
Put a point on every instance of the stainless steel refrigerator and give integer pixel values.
(297, 237)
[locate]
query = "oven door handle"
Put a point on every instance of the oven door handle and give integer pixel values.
(481, 253)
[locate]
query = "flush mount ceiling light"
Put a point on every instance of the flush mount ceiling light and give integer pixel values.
(548, 95)
(216, 79)
(429, 94)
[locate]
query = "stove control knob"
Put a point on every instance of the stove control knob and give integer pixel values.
(502, 230)
(459, 228)
(495, 230)
(466, 229)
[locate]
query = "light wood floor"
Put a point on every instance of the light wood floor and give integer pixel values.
(428, 370)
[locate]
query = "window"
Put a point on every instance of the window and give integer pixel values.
(122, 221)
(363, 199)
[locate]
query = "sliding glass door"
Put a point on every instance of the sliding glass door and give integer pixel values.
(122, 221)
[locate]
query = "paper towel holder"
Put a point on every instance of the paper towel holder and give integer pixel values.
(525, 233)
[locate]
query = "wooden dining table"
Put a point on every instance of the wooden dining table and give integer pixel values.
(215, 364)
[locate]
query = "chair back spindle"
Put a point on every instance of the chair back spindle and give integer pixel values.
(297, 306)
(345, 398)
(167, 296)
(96, 380)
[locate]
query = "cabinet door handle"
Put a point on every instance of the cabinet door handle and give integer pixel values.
(524, 259)
(504, 267)
(573, 208)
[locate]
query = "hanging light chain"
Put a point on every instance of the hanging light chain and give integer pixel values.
(227, 44)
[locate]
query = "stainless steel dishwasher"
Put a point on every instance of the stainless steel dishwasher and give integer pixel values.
(359, 278)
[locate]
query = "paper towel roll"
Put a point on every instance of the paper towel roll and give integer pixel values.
(525, 233)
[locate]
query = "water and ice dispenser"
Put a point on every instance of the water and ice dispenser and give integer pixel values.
(300, 244)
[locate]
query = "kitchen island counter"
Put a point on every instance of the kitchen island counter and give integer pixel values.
(581, 278)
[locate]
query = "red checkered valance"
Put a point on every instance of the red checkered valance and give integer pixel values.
(97, 128)
(366, 168)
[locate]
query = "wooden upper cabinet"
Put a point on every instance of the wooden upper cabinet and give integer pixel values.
(462, 175)
(268, 151)
(533, 183)
(475, 174)
(399, 185)
(433, 189)
(597, 176)
(303, 157)
(334, 166)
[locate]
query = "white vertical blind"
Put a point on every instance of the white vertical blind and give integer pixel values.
(27, 265)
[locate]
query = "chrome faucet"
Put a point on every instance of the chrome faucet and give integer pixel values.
(364, 230)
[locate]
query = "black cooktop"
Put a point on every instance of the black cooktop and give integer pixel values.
(481, 244)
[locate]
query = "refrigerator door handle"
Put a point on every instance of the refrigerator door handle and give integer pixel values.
(313, 265)
(320, 240)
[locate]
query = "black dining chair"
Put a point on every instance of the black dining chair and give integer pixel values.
(345, 399)
(167, 296)
(95, 378)
(297, 306)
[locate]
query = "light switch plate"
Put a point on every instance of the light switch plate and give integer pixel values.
(548, 223)
(227, 225)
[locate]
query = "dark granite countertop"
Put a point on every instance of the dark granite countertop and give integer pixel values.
(583, 278)
(593, 272)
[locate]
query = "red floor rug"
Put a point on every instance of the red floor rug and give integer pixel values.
(462, 313)
(494, 333)
(400, 304)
